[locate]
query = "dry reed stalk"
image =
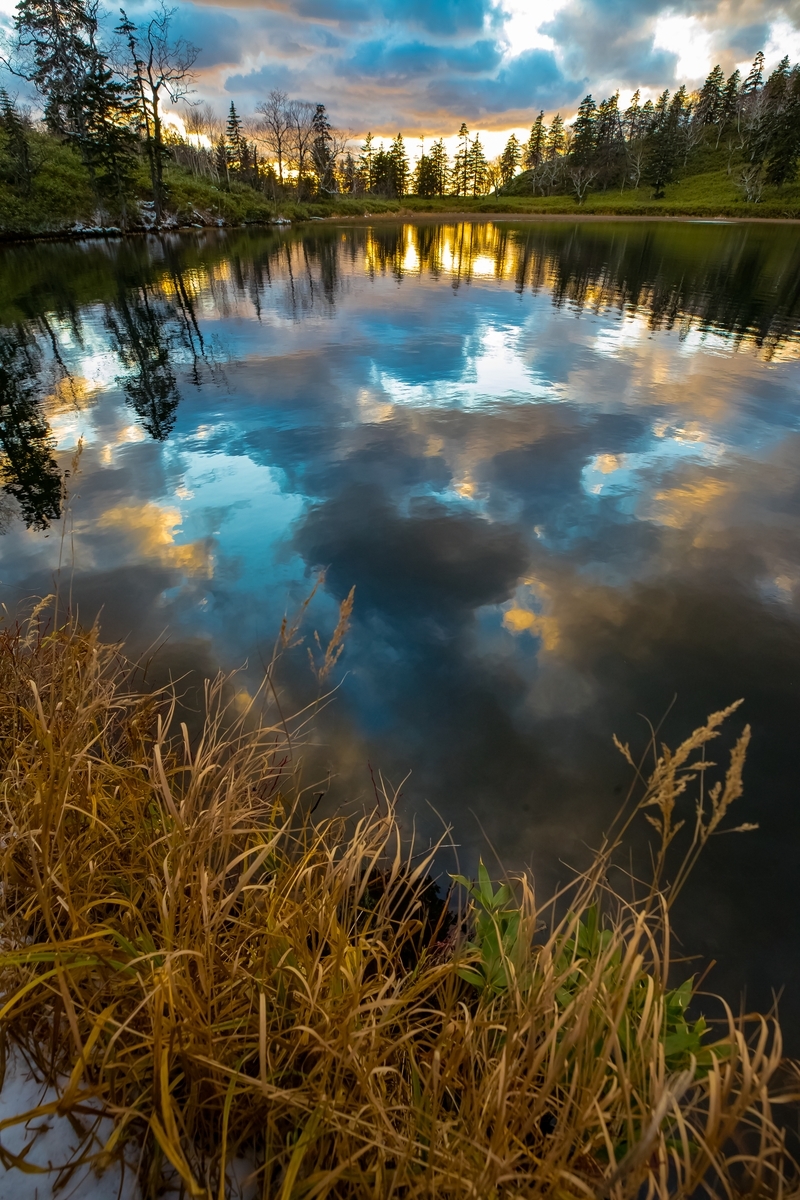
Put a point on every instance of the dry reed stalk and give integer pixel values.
(185, 944)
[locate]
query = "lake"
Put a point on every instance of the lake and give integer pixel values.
(559, 462)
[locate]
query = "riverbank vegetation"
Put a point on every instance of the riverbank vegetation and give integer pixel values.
(110, 150)
(233, 974)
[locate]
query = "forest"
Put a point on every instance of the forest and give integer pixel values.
(108, 91)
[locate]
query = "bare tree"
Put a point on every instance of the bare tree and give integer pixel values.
(301, 138)
(159, 67)
(275, 128)
(581, 176)
(637, 154)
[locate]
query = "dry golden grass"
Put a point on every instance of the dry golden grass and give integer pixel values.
(230, 976)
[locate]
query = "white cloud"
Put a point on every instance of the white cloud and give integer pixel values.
(685, 37)
(524, 21)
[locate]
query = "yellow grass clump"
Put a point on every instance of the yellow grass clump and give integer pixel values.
(187, 945)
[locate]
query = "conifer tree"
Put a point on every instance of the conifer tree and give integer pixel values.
(584, 132)
(423, 180)
(476, 168)
(535, 145)
(398, 166)
(556, 137)
(234, 140)
(322, 155)
(710, 100)
(460, 173)
(56, 52)
(784, 147)
(632, 119)
(439, 167)
(755, 79)
(510, 160)
(17, 148)
(366, 163)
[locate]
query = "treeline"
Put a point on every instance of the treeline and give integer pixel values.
(103, 90)
(757, 119)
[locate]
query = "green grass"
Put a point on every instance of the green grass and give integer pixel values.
(227, 973)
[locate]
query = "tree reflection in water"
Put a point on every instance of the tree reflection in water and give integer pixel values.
(28, 469)
(741, 281)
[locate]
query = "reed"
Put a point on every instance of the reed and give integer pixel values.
(186, 943)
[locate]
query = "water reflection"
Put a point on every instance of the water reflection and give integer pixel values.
(28, 468)
(558, 461)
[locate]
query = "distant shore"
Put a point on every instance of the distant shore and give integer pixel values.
(400, 214)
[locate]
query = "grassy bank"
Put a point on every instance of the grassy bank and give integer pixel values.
(60, 202)
(232, 975)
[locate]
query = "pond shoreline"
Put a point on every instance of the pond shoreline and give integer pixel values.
(405, 216)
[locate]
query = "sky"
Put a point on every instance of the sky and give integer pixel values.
(423, 66)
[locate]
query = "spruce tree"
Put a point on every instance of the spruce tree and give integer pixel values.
(710, 100)
(56, 52)
(19, 172)
(460, 173)
(632, 118)
(322, 156)
(439, 167)
(398, 168)
(755, 79)
(28, 470)
(556, 137)
(535, 145)
(476, 168)
(424, 180)
(234, 139)
(509, 160)
(584, 132)
(365, 163)
(784, 148)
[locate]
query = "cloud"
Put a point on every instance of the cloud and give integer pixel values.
(529, 81)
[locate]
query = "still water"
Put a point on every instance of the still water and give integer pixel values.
(559, 462)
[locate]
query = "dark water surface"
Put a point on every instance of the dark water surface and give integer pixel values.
(559, 462)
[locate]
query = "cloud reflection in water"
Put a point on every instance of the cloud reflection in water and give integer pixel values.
(559, 462)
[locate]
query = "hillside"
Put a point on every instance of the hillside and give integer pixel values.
(60, 200)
